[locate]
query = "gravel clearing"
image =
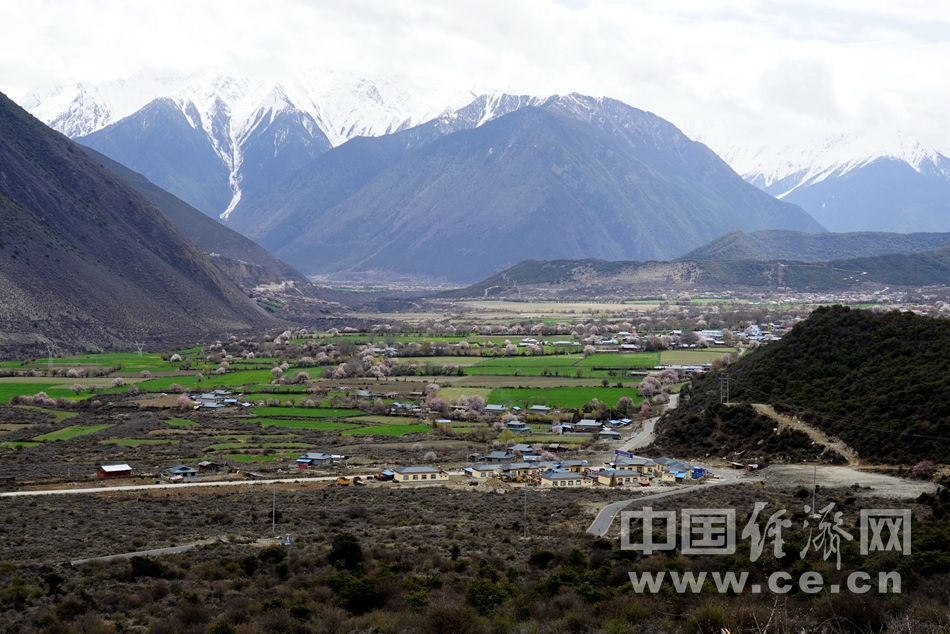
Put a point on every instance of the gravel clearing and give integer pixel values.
(863, 483)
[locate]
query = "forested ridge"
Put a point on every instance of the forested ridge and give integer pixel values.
(878, 381)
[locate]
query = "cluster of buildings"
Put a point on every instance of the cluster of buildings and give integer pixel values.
(174, 474)
(216, 400)
(626, 469)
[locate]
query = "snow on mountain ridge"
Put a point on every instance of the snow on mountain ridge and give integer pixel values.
(344, 105)
(228, 108)
(800, 165)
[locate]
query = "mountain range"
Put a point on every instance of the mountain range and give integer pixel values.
(212, 137)
(376, 176)
(87, 262)
(855, 182)
(572, 177)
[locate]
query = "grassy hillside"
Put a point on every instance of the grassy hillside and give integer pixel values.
(880, 382)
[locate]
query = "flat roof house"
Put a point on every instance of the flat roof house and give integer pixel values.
(419, 474)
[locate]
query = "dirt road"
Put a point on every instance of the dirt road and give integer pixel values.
(820, 437)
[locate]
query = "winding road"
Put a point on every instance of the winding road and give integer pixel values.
(607, 514)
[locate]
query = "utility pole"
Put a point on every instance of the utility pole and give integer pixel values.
(140, 346)
(724, 388)
(526, 511)
(49, 350)
(273, 513)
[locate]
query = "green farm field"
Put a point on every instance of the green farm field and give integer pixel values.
(72, 432)
(555, 360)
(635, 360)
(388, 430)
(135, 442)
(564, 397)
(316, 425)
(693, 357)
(305, 412)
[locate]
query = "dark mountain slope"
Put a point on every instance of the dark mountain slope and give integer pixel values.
(208, 234)
(576, 177)
(813, 247)
(880, 382)
(88, 262)
(160, 143)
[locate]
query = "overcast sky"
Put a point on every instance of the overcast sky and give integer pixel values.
(750, 72)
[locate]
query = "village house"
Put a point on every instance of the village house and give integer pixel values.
(114, 471)
(587, 425)
(314, 459)
(419, 474)
(609, 434)
(617, 477)
(483, 471)
(182, 471)
(564, 479)
(643, 466)
(574, 465)
(209, 466)
(673, 469)
(518, 427)
(499, 457)
(495, 409)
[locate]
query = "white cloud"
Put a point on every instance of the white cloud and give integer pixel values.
(734, 71)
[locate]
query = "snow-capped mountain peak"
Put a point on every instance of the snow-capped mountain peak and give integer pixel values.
(807, 164)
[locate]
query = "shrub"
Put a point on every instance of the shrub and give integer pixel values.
(360, 595)
(221, 626)
(484, 595)
(345, 552)
(274, 553)
(146, 567)
(250, 564)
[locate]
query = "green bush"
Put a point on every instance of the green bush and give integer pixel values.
(345, 552)
(484, 595)
(146, 567)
